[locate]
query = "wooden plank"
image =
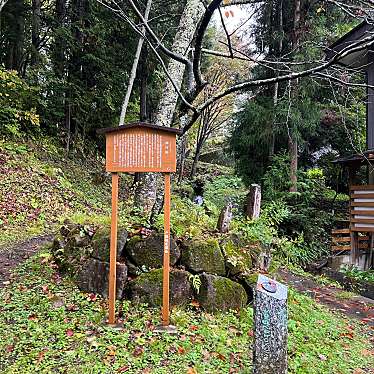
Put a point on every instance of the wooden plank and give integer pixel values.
(341, 239)
(362, 220)
(340, 231)
(362, 196)
(362, 212)
(113, 250)
(368, 204)
(166, 260)
(348, 247)
(341, 247)
(362, 188)
(363, 237)
(363, 229)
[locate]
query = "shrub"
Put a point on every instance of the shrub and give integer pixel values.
(17, 105)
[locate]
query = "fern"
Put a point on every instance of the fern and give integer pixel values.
(196, 282)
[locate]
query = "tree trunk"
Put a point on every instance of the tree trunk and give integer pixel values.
(146, 193)
(292, 139)
(276, 85)
(199, 146)
(15, 52)
(2, 3)
(143, 85)
(35, 38)
(181, 157)
(292, 149)
(134, 69)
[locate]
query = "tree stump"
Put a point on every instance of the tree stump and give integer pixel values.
(270, 327)
(253, 205)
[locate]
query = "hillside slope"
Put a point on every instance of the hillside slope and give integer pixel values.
(40, 187)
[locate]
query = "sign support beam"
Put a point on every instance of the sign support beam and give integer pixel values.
(113, 250)
(166, 263)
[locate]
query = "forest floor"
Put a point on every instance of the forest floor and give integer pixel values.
(335, 298)
(49, 326)
(11, 255)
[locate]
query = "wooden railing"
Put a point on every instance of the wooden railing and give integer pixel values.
(341, 240)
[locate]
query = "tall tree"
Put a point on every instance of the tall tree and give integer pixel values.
(146, 193)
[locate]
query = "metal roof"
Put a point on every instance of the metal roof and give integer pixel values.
(354, 60)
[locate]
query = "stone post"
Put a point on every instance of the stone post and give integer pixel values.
(270, 327)
(253, 205)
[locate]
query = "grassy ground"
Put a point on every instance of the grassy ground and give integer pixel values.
(40, 186)
(48, 326)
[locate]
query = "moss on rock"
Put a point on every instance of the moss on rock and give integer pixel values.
(147, 288)
(149, 252)
(238, 259)
(220, 294)
(101, 243)
(203, 256)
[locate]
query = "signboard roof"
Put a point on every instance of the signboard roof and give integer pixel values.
(172, 130)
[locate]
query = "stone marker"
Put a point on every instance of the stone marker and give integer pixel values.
(253, 204)
(225, 217)
(270, 327)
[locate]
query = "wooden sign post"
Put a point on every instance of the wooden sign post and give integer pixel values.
(140, 147)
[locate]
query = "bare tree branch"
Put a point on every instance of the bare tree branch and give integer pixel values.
(134, 68)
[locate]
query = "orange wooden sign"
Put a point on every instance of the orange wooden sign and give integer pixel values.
(141, 147)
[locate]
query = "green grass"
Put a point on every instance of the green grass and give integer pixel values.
(40, 187)
(47, 326)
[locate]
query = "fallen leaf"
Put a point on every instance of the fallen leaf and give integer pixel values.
(195, 303)
(10, 348)
(123, 369)
(191, 371)
(41, 356)
(220, 356)
(92, 297)
(348, 335)
(32, 317)
(181, 350)
(112, 350)
(69, 332)
(138, 351)
(193, 328)
(367, 352)
(45, 289)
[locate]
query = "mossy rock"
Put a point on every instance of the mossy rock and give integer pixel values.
(149, 252)
(147, 288)
(101, 243)
(220, 294)
(93, 277)
(238, 259)
(70, 253)
(201, 256)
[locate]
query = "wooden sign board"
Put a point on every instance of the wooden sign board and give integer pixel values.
(141, 147)
(362, 208)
